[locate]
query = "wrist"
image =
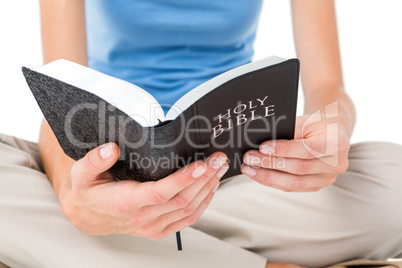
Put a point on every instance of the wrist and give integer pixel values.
(58, 170)
(337, 107)
(60, 177)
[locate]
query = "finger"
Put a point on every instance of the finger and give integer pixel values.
(162, 221)
(162, 191)
(185, 222)
(186, 201)
(162, 214)
(292, 165)
(314, 147)
(86, 170)
(287, 181)
(121, 198)
(126, 196)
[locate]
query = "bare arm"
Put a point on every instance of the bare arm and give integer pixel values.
(63, 37)
(317, 47)
(319, 151)
(63, 30)
(90, 198)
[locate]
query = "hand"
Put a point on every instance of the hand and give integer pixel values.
(308, 163)
(98, 204)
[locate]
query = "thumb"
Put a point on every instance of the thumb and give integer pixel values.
(95, 162)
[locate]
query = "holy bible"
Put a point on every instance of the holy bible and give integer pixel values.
(233, 112)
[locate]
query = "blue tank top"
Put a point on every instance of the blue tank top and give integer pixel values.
(168, 47)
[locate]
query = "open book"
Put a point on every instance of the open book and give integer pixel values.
(233, 113)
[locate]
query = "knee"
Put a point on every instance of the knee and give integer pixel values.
(375, 150)
(375, 178)
(381, 161)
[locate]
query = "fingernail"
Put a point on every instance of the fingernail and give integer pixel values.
(222, 171)
(249, 171)
(216, 187)
(106, 151)
(217, 162)
(199, 171)
(252, 159)
(266, 149)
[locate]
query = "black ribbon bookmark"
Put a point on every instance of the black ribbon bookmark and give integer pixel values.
(178, 239)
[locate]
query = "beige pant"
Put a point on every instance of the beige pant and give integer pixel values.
(247, 224)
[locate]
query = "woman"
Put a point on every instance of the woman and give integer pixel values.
(168, 47)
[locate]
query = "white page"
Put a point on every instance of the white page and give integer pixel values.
(131, 99)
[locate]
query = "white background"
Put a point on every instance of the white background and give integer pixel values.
(370, 38)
